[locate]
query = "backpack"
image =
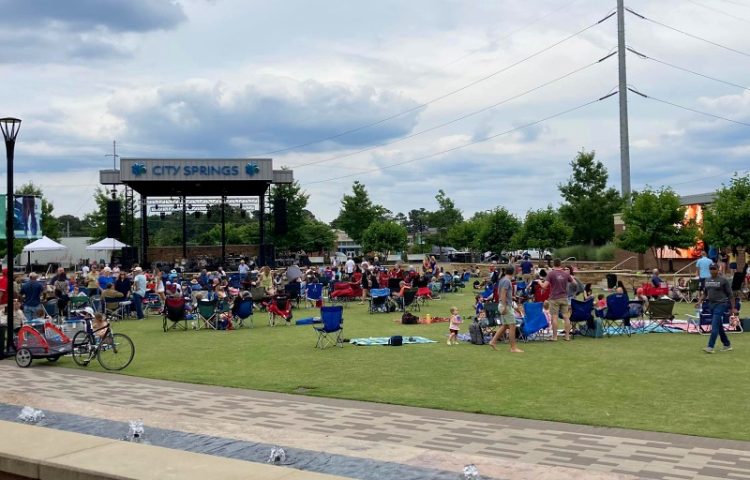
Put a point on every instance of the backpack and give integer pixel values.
(409, 318)
(475, 334)
(396, 341)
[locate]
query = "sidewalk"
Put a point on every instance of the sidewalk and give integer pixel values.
(501, 447)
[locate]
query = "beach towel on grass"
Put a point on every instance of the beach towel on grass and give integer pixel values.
(384, 340)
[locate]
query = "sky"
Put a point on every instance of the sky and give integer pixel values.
(466, 96)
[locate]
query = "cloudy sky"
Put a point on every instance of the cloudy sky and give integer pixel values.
(242, 78)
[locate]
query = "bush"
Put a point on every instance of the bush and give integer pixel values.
(587, 252)
(606, 253)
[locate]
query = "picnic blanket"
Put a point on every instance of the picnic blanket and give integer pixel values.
(384, 341)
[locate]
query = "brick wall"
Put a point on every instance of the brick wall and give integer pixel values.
(169, 254)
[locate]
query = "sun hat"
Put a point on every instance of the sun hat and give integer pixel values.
(89, 311)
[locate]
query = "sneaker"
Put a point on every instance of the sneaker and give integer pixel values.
(727, 349)
(708, 350)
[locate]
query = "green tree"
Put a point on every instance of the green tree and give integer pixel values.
(589, 206)
(655, 220)
(542, 229)
(444, 218)
(50, 226)
(296, 215)
(497, 230)
(358, 212)
(418, 222)
(70, 225)
(316, 236)
(465, 235)
(384, 237)
(95, 222)
(726, 220)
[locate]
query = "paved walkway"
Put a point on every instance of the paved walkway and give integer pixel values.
(501, 447)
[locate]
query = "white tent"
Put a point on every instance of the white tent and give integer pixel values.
(44, 244)
(107, 244)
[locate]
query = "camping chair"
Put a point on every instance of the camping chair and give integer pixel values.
(314, 294)
(394, 284)
(618, 310)
(207, 313)
(293, 291)
(260, 297)
(50, 307)
(491, 313)
(582, 312)
(234, 280)
(175, 312)
(659, 311)
(78, 302)
(534, 321)
(409, 300)
(116, 309)
(332, 319)
(694, 289)
(244, 312)
(153, 303)
(280, 306)
(702, 321)
(379, 300)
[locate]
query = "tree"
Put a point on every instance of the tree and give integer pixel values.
(542, 229)
(50, 227)
(358, 212)
(465, 235)
(589, 206)
(418, 222)
(497, 230)
(445, 217)
(656, 220)
(384, 237)
(316, 236)
(72, 226)
(95, 223)
(726, 220)
(296, 215)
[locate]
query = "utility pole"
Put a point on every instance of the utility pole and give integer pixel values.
(624, 136)
(114, 156)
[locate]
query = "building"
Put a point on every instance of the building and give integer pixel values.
(345, 244)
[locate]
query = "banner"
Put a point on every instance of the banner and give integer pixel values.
(27, 217)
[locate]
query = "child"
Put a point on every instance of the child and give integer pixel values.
(98, 325)
(478, 305)
(454, 326)
(545, 309)
(601, 303)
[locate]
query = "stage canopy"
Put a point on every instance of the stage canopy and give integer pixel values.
(107, 244)
(44, 244)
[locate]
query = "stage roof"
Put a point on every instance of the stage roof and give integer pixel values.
(165, 177)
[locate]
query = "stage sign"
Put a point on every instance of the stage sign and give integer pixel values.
(27, 217)
(195, 170)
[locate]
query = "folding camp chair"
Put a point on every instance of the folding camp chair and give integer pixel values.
(314, 294)
(379, 300)
(534, 321)
(332, 319)
(659, 312)
(78, 302)
(175, 314)
(582, 312)
(244, 312)
(116, 309)
(280, 306)
(153, 303)
(260, 297)
(616, 317)
(409, 300)
(207, 313)
(694, 289)
(491, 313)
(703, 320)
(50, 307)
(293, 292)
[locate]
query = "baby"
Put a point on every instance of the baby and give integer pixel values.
(99, 325)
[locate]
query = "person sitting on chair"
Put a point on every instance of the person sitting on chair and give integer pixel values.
(111, 293)
(655, 280)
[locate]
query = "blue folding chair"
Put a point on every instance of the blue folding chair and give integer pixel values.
(379, 300)
(314, 294)
(703, 320)
(616, 317)
(534, 320)
(332, 329)
(582, 312)
(244, 312)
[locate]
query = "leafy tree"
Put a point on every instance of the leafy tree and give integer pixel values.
(384, 237)
(445, 217)
(358, 212)
(70, 225)
(465, 235)
(655, 220)
(417, 223)
(542, 229)
(316, 236)
(401, 219)
(589, 206)
(50, 227)
(497, 230)
(95, 222)
(726, 220)
(296, 202)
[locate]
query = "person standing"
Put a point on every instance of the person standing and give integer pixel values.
(507, 320)
(527, 270)
(139, 291)
(349, 266)
(558, 281)
(32, 295)
(703, 265)
(718, 292)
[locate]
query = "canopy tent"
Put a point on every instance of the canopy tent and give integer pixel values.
(107, 244)
(44, 244)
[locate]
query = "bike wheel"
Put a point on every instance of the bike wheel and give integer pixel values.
(116, 352)
(82, 349)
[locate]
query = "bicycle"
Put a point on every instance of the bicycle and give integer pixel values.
(114, 351)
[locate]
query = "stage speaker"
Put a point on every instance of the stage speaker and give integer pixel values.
(267, 256)
(114, 222)
(129, 257)
(279, 216)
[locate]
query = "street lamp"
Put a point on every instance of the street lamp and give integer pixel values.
(10, 127)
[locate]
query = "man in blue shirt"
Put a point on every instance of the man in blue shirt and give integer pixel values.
(527, 269)
(656, 281)
(704, 268)
(105, 279)
(32, 295)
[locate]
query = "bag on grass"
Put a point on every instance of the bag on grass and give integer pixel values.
(409, 318)
(396, 341)
(475, 334)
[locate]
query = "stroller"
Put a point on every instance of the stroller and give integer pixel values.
(280, 306)
(380, 301)
(45, 341)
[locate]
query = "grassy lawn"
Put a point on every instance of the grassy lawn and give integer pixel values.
(659, 382)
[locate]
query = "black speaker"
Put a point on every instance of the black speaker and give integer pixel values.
(279, 216)
(114, 229)
(129, 257)
(267, 256)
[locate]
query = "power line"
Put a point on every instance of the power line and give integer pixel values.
(688, 34)
(688, 108)
(468, 144)
(455, 120)
(441, 97)
(646, 57)
(722, 12)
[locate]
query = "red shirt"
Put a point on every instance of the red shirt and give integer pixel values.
(558, 281)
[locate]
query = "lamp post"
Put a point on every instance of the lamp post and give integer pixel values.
(10, 127)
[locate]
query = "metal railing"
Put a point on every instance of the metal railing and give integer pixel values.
(624, 261)
(674, 275)
(570, 258)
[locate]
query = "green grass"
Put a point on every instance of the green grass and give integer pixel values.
(658, 382)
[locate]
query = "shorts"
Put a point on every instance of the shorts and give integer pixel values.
(453, 331)
(733, 265)
(508, 318)
(557, 306)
